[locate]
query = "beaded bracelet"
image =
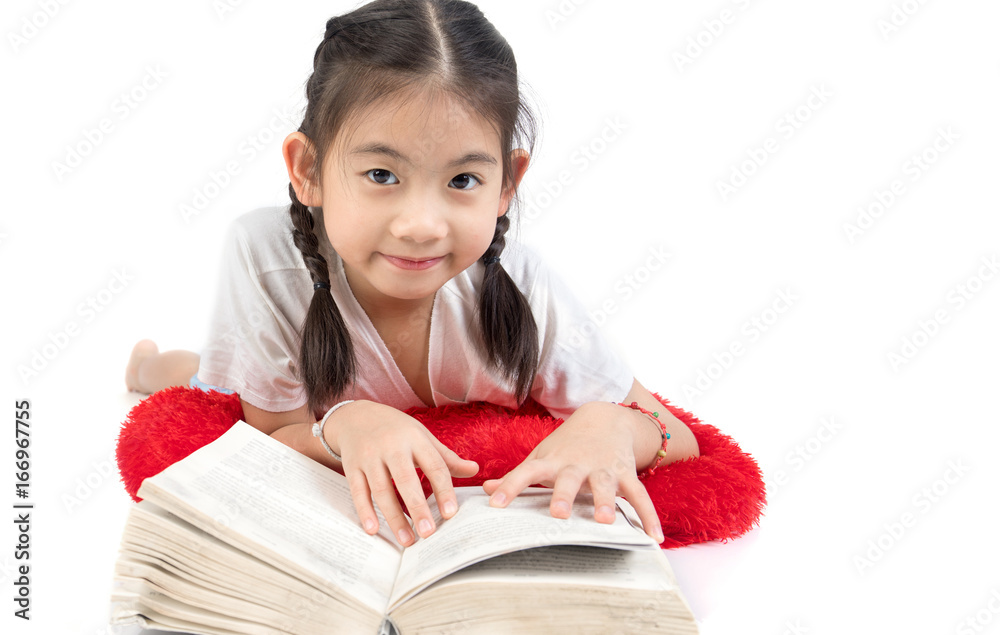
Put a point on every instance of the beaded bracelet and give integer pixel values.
(664, 437)
(317, 429)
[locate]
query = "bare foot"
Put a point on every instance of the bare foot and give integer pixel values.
(141, 351)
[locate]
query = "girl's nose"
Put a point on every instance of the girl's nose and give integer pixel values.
(420, 220)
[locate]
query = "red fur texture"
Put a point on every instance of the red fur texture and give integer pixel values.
(716, 496)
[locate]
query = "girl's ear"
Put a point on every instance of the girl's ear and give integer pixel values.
(300, 157)
(519, 162)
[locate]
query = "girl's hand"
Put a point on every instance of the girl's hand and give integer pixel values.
(381, 446)
(593, 450)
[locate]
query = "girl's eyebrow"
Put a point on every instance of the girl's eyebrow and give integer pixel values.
(387, 151)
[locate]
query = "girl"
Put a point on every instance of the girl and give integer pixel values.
(387, 284)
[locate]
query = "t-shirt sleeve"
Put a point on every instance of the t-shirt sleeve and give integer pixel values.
(576, 363)
(252, 346)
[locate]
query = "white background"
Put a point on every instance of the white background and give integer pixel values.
(869, 531)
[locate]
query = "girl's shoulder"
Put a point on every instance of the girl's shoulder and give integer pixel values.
(263, 237)
(523, 264)
(264, 222)
(264, 218)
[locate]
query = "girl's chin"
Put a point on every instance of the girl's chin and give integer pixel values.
(409, 291)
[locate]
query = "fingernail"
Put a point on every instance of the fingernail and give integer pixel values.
(426, 528)
(605, 511)
(562, 507)
(370, 526)
(659, 535)
(450, 508)
(403, 535)
(498, 500)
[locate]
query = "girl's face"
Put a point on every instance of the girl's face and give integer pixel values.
(411, 196)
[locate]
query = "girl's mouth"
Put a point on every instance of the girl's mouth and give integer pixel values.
(418, 264)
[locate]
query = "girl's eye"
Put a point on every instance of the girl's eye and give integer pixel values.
(382, 177)
(465, 181)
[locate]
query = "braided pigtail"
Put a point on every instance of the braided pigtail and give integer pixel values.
(508, 326)
(326, 359)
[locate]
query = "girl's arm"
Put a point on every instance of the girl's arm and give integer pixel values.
(682, 444)
(381, 447)
(600, 448)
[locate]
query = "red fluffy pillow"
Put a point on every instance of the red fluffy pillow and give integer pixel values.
(716, 496)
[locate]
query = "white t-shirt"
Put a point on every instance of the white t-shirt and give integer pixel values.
(265, 289)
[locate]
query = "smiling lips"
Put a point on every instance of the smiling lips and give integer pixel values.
(413, 265)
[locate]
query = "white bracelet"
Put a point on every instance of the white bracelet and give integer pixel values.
(317, 429)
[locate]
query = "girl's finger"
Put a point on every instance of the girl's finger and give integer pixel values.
(439, 476)
(404, 475)
(380, 484)
(457, 466)
(491, 485)
(362, 498)
(517, 479)
(635, 493)
(603, 486)
(564, 490)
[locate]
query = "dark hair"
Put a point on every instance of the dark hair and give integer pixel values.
(376, 52)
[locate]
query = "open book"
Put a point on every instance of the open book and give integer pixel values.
(246, 535)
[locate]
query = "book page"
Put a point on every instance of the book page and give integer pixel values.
(559, 589)
(478, 531)
(256, 493)
(138, 601)
(572, 565)
(189, 566)
(156, 537)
